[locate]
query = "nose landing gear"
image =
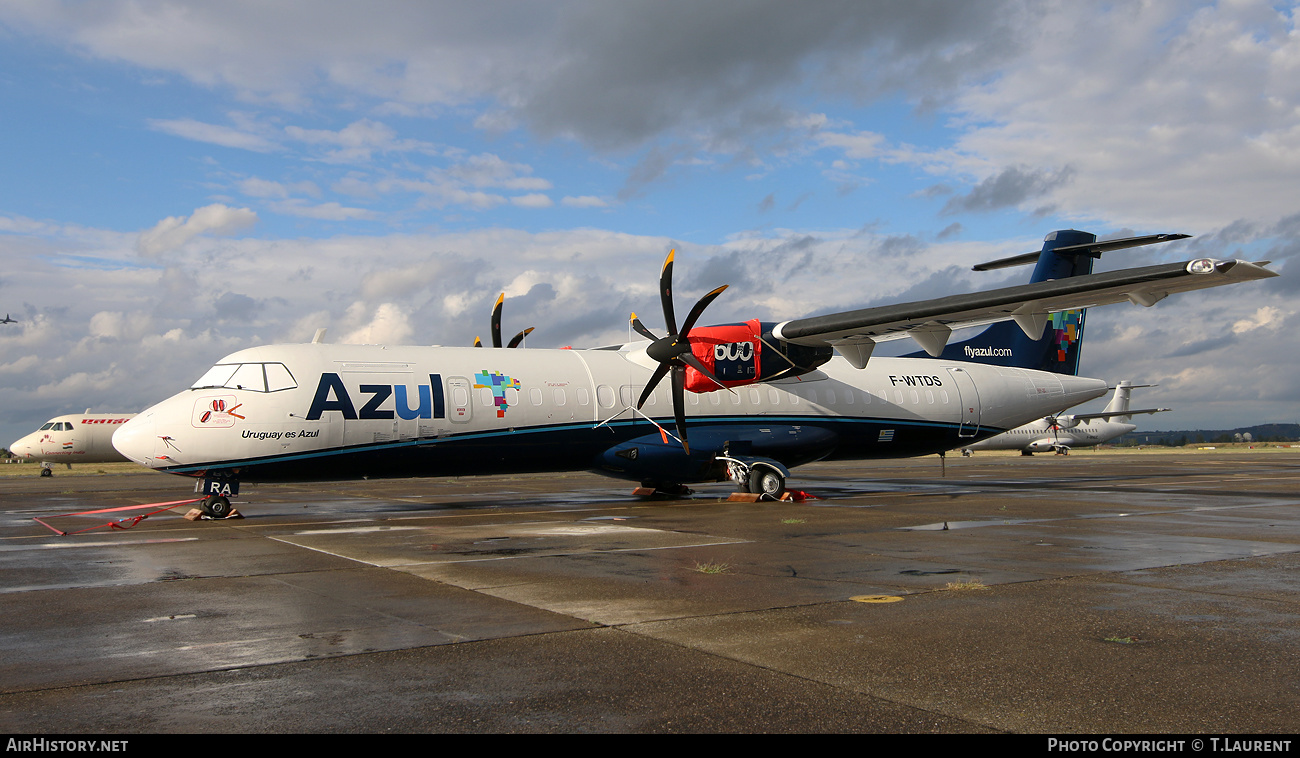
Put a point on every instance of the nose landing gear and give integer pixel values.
(216, 506)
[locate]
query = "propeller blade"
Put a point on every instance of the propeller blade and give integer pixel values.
(690, 360)
(654, 382)
(699, 309)
(478, 342)
(640, 329)
(666, 293)
(496, 320)
(679, 404)
(514, 342)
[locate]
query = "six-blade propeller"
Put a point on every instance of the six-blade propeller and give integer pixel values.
(673, 353)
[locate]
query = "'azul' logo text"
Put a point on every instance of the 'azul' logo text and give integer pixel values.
(331, 395)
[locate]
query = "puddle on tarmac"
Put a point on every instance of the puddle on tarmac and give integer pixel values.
(942, 525)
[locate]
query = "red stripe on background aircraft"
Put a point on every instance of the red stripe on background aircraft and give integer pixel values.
(743, 401)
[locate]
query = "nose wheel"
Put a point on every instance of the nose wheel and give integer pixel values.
(216, 506)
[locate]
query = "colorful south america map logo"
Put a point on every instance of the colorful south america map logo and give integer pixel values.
(498, 383)
(1067, 326)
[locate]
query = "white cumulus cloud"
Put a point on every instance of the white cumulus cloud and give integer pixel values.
(174, 231)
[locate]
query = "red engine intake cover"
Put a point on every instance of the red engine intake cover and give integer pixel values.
(733, 353)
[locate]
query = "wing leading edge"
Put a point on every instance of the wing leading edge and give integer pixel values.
(929, 322)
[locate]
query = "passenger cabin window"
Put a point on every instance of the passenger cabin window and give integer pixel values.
(258, 377)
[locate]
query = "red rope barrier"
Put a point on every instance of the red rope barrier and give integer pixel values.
(118, 523)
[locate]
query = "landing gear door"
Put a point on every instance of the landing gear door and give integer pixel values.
(968, 400)
(460, 408)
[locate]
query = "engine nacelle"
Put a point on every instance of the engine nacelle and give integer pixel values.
(740, 354)
(1062, 422)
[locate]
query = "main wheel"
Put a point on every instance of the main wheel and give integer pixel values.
(766, 481)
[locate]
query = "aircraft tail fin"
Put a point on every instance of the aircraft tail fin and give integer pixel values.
(1057, 348)
(1120, 400)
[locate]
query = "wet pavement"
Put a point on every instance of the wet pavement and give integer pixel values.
(1089, 593)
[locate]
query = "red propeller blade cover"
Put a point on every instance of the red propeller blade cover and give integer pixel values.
(733, 352)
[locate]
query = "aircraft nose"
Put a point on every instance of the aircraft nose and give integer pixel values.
(135, 439)
(21, 449)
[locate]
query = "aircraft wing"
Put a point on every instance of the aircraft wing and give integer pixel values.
(929, 322)
(1109, 414)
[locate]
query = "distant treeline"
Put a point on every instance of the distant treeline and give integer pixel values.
(1259, 433)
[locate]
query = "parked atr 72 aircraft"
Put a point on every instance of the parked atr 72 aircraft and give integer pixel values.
(321, 411)
(1062, 432)
(74, 438)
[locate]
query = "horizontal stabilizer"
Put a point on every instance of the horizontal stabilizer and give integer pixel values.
(1094, 249)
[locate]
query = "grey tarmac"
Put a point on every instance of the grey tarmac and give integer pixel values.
(1099, 592)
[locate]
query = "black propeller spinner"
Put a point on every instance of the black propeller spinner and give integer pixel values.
(673, 353)
(496, 327)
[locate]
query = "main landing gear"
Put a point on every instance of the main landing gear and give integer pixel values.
(757, 476)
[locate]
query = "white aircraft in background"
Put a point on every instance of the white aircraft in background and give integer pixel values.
(1062, 432)
(322, 412)
(74, 438)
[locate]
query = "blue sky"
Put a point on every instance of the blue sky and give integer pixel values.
(183, 180)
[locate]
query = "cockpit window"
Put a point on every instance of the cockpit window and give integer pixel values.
(47, 426)
(247, 376)
(216, 377)
(278, 377)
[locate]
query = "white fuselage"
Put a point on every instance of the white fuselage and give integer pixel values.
(338, 411)
(74, 438)
(1038, 437)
